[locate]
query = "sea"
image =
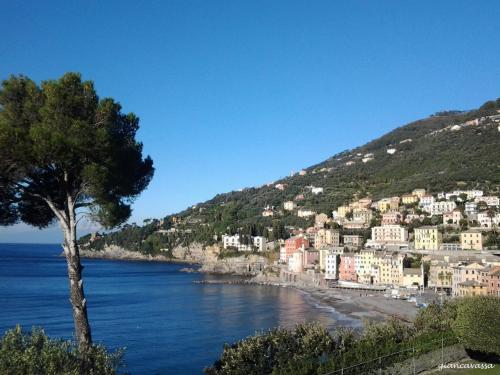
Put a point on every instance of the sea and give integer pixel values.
(167, 323)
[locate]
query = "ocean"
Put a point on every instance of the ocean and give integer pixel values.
(167, 323)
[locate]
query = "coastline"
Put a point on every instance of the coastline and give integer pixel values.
(125, 255)
(348, 304)
(353, 305)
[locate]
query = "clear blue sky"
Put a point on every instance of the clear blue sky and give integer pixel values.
(239, 93)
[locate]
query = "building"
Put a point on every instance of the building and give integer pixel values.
(441, 276)
(413, 217)
(413, 277)
(347, 269)
(268, 212)
(342, 211)
(409, 199)
(389, 235)
(332, 263)
(428, 238)
(384, 205)
(326, 237)
(362, 215)
(295, 262)
(364, 203)
(353, 240)
(293, 244)
(484, 220)
(389, 268)
(452, 217)
(491, 201)
(439, 208)
(316, 190)
(418, 192)
(471, 240)
(426, 201)
(491, 277)
(465, 272)
(244, 243)
(471, 288)
(289, 205)
(324, 252)
(470, 208)
(310, 258)
(391, 218)
(305, 213)
(394, 203)
(451, 246)
(320, 220)
(470, 194)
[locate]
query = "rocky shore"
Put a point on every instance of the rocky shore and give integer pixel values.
(117, 253)
(359, 305)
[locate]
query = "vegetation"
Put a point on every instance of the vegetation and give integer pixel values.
(23, 353)
(433, 159)
(65, 152)
(477, 324)
(311, 349)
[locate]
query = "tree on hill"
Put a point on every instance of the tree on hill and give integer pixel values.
(63, 150)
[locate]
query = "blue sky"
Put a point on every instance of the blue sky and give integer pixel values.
(239, 93)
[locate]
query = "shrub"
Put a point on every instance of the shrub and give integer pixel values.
(23, 353)
(277, 350)
(477, 324)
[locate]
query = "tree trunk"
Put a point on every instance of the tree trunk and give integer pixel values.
(78, 301)
(77, 296)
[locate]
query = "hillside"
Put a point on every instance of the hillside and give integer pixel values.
(442, 152)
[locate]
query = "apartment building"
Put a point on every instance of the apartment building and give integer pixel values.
(428, 238)
(471, 240)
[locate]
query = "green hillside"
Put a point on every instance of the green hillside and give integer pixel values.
(428, 153)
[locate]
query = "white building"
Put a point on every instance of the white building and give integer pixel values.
(305, 213)
(471, 194)
(316, 190)
(426, 201)
(389, 235)
(295, 262)
(258, 242)
(491, 201)
(332, 266)
(289, 205)
(470, 208)
(439, 208)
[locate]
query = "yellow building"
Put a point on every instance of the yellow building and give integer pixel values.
(428, 238)
(419, 192)
(472, 288)
(409, 199)
(394, 203)
(471, 240)
(384, 205)
(390, 268)
(412, 277)
(326, 237)
(343, 210)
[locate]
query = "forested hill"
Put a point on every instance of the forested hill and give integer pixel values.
(448, 150)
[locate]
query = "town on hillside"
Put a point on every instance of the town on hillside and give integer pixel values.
(445, 242)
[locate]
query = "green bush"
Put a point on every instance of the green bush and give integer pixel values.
(278, 350)
(477, 324)
(23, 353)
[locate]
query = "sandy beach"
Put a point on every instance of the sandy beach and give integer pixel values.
(362, 304)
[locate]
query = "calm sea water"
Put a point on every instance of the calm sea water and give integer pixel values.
(167, 324)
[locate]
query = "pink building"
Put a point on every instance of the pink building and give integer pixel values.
(491, 277)
(391, 218)
(347, 270)
(293, 244)
(309, 258)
